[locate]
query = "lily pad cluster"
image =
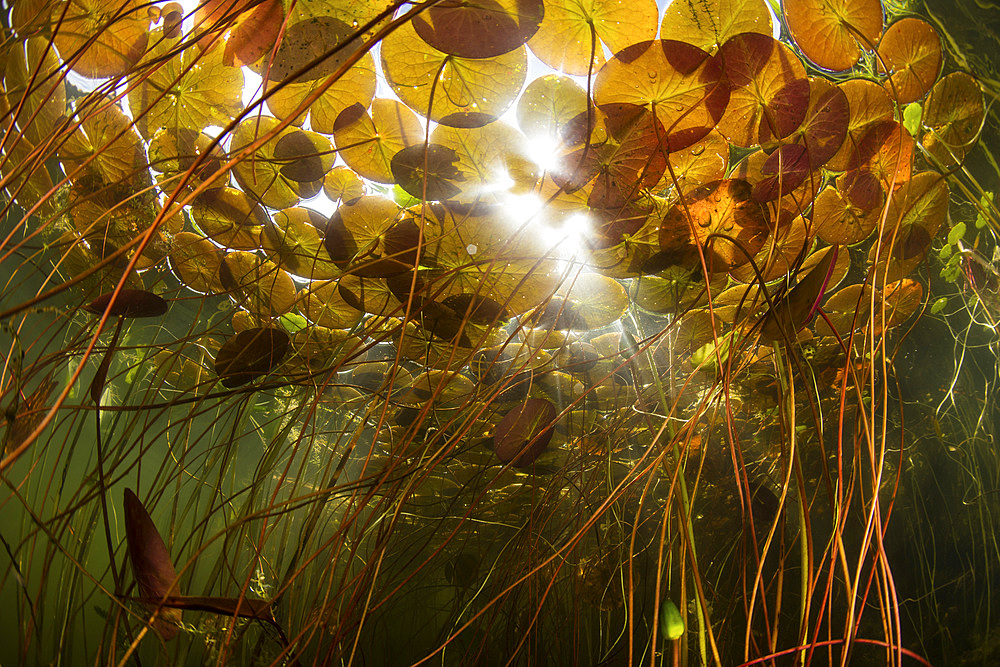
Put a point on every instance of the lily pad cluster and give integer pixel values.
(521, 219)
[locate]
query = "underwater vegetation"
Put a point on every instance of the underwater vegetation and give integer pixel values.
(498, 332)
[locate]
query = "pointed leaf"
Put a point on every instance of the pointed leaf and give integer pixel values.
(154, 572)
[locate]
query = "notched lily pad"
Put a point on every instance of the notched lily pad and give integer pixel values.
(428, 171)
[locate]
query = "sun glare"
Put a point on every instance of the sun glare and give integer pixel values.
(564, 237)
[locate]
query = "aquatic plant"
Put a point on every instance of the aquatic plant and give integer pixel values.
(363, 348)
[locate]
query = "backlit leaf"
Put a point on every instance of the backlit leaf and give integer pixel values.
(573, 33)
(293, 239)
(480, 28)
(367, 141)
(196, 262)
(257, 285)
(323, 304)
(259, 173)
(833, 33)
(916, 212)
(770, 91)
(192, 90)
(254, 34)
(707, 24)
(230, 218)
(427, 171)
(838, 220)
(869, 104)
(954, 114)
(680, 83)
(724, 207)
(454, 91)
(356, 86)
(101, 38)
(910, 53)
(547, 104)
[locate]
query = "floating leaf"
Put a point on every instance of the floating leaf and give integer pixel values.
(151, 565)
(724, 208)
(910, 53)
(257, 284)
(784, 170)
(838, 220)
(293, 238)
(680, 83)
(193, 89)
(770, 91)
(343, 185)
(446, 389)
(573, 32)
(427, 171)
(833, 33)
(106, 141)
(356, 86)
(174, 151)
(453, 91)
(479, 28)
(365, 237)
(303, 156)
(492, 161)
(368, 295)
(674, 290)
(368, 142)
(825, 125)
(701, 163)
(249, 355)
(782, 251)
(310, 49)
(954, 115)
(259, 173)
(915, 213)
(196, 262)
(901, 298)
(886, 150)
(523, 433)
(254, 35)
(101, 38)
(131, 303)
(548, 104)
(230, 218)
(707, 24)
(847, 309)
(32, 79)
(628, 156)
(869, 104)
(597, 300)
(324, 305)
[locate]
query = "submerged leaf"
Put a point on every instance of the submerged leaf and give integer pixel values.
(524, 432)
(129, 303)
(250, 354)
(154, 572)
